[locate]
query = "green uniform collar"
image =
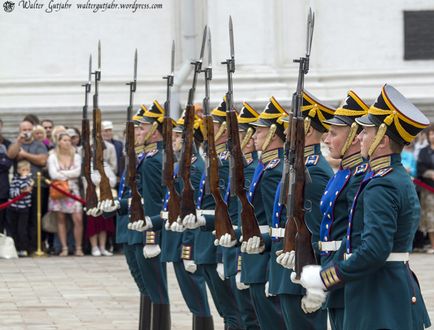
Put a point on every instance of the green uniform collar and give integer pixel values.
(314, 149)
(153, 146)
(351, 161)
(220, 148)
(383, 162)
(269, 155)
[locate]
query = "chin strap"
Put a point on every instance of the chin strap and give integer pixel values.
(378, 137)
(151, 131)
(247, 137)
(270, 135)
(350, 138)
(220, 132)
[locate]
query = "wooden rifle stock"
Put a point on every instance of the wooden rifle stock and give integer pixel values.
(250, 226)
(136, 207)
(173, 202)
(222, 220)
(104, 186)
(304, 254)
(187, 195)
(91, 197)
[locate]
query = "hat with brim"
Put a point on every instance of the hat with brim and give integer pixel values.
(402, 119)
(247, 116)
(272, 112)
(317, 111)
(351, 108)
(154, 114)
(219, 114)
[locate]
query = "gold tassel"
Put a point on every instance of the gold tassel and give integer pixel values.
(247, 137)
(350, 138)
(151, 131)
(380, 134)
(220, 132)
(270, 135)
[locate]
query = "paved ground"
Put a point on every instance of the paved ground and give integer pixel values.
(98, 293)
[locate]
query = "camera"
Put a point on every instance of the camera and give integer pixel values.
(27, 135)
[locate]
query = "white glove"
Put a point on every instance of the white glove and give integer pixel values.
(95, 177)
(225, 241)
(253, 245)
(151, 251)
(311, 278)
(286, 259)
(313, 300)
(189, 266)
(109, 205)
(191, 221)
(221, 271)
(243, 244)
(240, 285)
(267, 291)
(293, 278)
(175, 226)
(141, 225)
(94, 212)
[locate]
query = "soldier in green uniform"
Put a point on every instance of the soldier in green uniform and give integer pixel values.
(268, 139)
(205, 252)
(178, 243)
(150, 184)
(231, 251)
(340, 191)
(131, 240)
(381, 292)
(294, 306)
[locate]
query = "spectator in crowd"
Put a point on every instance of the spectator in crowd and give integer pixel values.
(48, 125)
(74, 133)
(55, 133)
(18, 212)
(64, 164)
(26, 148)
(39, 134)
(32, 118)
(5, 165)
(419, 143)
(99, 228)
(408, 160)
(425, 172)
(107, 135)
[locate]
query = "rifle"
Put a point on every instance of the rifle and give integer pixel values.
(104, 186)
(173, 202)
(223, 223)
(297, 235)
(187, 195)
(249, 222)
(91, 197)
(136, 207)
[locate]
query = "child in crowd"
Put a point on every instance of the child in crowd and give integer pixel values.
(18, 212)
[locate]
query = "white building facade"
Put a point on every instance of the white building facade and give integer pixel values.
(357, 45)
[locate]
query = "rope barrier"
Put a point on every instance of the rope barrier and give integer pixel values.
(66, 193)
(423, 185)
(13, 200)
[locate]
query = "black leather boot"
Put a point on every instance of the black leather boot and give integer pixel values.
(145, 313)
(160, 317)
(203, 323)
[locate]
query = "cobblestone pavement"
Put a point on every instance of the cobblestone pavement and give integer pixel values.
(99, 293)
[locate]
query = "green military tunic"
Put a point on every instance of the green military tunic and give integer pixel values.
(381, 294)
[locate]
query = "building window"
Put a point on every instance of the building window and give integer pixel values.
(418, 35)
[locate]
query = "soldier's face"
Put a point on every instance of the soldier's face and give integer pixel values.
(366, 137)
(335, 140)
(140, 134)
(176, 141)
(259, 137)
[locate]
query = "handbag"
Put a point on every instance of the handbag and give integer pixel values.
(55, 194)
(7, 247)
(49, 222)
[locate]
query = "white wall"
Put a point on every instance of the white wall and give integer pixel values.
(357, 44)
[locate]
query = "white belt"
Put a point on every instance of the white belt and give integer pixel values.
(394, 256)
(264, 229)
(204, 212)
(329, 246)
(277, 232)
